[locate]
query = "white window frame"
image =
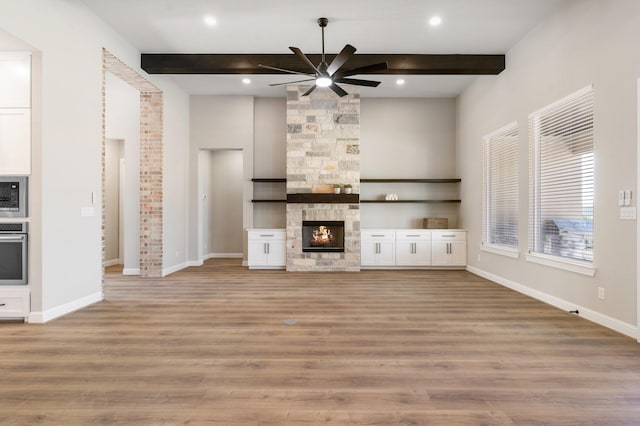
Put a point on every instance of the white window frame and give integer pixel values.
(559, 111)
(500, 143)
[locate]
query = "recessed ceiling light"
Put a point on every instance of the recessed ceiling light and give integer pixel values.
(210, 20)
(434, 21)
(400, 81)
(246, 81)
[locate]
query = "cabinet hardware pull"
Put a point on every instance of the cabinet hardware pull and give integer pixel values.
(377, 235)
(413, 235)
(268, 248)
(266, 235)
(3, 304)
(448, 236)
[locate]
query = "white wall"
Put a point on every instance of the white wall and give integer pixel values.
(410, 138)
(67, 136)
(585, 42)
(175, 172)
(219, 122)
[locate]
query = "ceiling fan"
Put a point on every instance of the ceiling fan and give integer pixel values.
(327, 75)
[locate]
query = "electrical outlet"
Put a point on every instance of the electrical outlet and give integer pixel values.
(601, 293)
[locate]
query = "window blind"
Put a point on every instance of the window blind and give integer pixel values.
(500, 188)
(561, 178)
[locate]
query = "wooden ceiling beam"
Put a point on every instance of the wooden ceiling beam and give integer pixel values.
(402, 64)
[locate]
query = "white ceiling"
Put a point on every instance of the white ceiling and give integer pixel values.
(372, 26)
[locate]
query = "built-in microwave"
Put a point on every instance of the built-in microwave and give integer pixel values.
(13, 196)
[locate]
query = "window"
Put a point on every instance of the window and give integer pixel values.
(561, 179)
(500, 190)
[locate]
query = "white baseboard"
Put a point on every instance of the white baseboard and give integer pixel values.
(131, 271)
(604, 320)
(195, 263)
(175, 268)
(111, 262)
(58, 311)
(222, 256)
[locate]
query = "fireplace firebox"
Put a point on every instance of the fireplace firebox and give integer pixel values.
(323, 236)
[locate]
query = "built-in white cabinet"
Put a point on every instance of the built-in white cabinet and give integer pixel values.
(14, 302)
(413, 247)
(267, 248)
(15, 80)
(15, 113)
(15, 141)
(448, 248)
(377, 247)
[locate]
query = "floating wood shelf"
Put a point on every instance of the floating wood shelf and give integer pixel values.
(411, 201)
(268, 201)
(410, 180)
(268, 180)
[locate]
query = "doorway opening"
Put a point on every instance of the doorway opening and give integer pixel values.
(150, 194)
(221, 206)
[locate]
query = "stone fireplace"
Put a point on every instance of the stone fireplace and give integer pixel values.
(323, 149)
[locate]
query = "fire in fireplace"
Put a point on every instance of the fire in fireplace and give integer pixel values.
(323, 236)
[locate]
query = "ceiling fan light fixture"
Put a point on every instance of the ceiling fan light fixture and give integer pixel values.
(323, 81)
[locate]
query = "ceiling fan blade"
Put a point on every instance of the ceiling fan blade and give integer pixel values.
(292, 82)
(339, 90)
(309, 91)
(358, 82)
(368, 69)
(304, 58)
(282, 70)
(344, 55)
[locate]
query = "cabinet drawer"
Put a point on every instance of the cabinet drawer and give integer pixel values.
(14, 305)
(377, 235)
(267, 234)
(448, 235)
(412, 234)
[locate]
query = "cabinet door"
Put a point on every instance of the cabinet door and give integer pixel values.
(440, 253)
(276, 253)
(386, 253)
(458, 253)
(15, 80)
(368, 252)
(377, 253)
(15, 141)
(257, 253)
(413, 253)
(449, 253)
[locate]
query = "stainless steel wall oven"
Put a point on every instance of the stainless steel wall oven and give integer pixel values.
(13, 196)
(13, 253)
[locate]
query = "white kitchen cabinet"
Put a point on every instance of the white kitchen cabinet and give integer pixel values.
(377, 247)
(267, 248)
(15, 80)
(14, 302)
(15, 141)
(448, 248)
(413, 247)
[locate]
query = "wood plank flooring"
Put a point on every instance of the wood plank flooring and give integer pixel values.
(207, 346)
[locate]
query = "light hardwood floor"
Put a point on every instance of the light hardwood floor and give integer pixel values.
(208, 346)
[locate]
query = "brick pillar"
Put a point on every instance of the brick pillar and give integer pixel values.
(151, 248)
